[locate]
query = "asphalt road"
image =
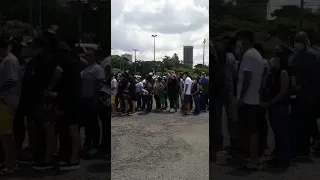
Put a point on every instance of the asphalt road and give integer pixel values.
(160, 146)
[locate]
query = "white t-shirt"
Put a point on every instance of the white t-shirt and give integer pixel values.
(10, 71)
(89, 76)
(187, 82)
(252, 61)
(114, 86)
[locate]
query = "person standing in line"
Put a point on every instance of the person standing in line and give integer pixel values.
(139, 87)
(181, 80)
(276, 102)
(266, 71)
(91, 76)
(195, 93)
(173, 87)
(132, 95)
(158, 93)
(164, 105)
(114, 91)
(148, 89)
(305, 80)
(69, 89)
(204, 97)
(187, 93)
(248, 96)
(9, 99)
(105, 108)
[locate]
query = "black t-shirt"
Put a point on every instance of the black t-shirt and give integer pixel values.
(70, 82)
(173, 85)
(132, 87)
(123, 84)
(37, 78)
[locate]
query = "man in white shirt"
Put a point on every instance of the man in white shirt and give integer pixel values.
(9, 100)
(187, 93)
(114, 91)
(248, 95)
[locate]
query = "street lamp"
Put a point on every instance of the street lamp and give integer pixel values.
(154, 46)
(78, 4)
(154, 51)
(204, 46)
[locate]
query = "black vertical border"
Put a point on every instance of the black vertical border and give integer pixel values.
(104, 22)
(214, 89)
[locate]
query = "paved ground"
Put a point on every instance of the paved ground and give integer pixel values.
(299, 171)
(90, 170)
(160, 146)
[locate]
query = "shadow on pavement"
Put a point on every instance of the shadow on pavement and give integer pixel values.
(29, 173)
(239, 172)
(99, 168)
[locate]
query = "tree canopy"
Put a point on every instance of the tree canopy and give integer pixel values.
(283, 27)
(168, 63)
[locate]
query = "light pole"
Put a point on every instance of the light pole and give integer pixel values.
(135, 59)
(204, 46)
(154, 51)
(154, 46)
(30, 4)
(78, 4)
(40, 15)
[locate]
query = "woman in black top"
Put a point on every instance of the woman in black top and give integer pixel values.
(195, 92)
(132, 94)
(277, 103)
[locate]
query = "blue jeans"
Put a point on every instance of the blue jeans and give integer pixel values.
(148, 102)
(279, 122)
(196, 99)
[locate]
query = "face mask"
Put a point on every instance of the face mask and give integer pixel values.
(298, 46)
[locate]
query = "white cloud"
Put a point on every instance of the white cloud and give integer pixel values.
(176, 22)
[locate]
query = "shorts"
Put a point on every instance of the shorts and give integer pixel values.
(6, 119)
(187, 99)
(250, 119)
(113, 99)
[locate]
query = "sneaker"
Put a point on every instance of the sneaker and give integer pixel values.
(62, 163)
(24, 159)
(172, 110)
(42, 166)
(253, 166)
(4, 170)
(92, 152)
(69, 166)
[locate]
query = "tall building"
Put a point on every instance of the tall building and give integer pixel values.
(128, 56)
(188, 55)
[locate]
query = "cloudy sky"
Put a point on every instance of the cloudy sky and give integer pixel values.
(176, 22)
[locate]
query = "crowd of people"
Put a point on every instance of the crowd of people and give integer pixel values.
(130, 94)
(49, 91)
(280, 87)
